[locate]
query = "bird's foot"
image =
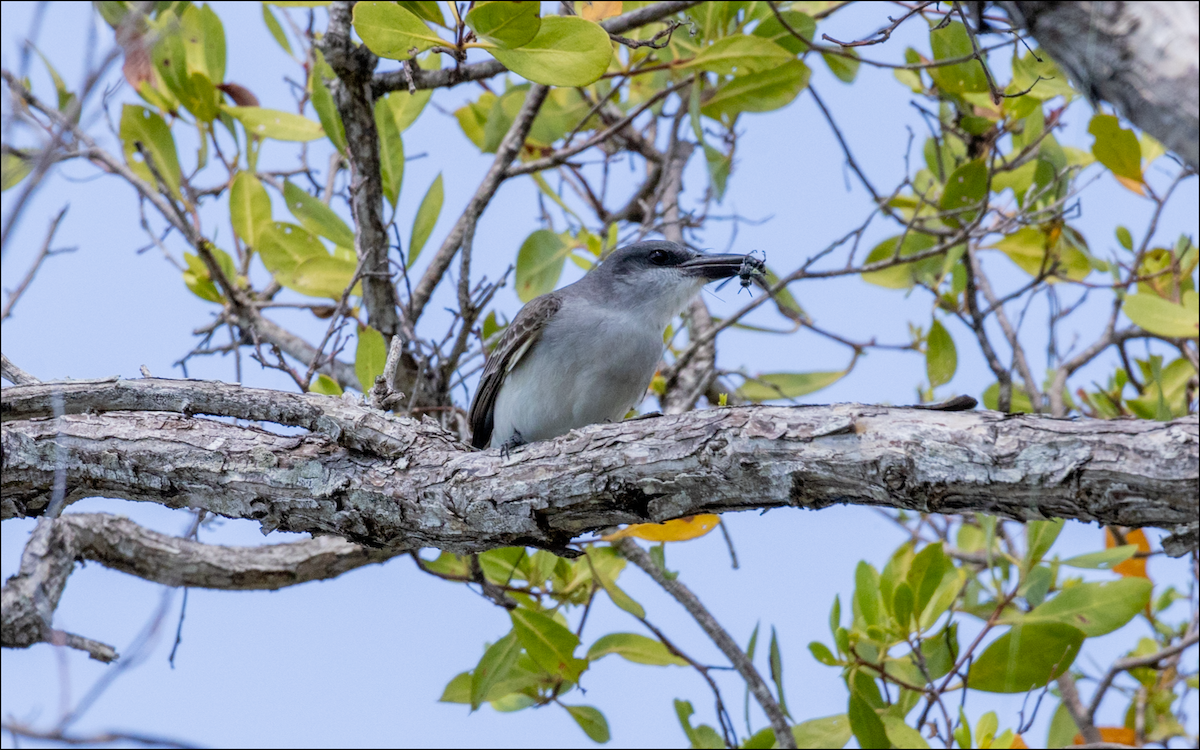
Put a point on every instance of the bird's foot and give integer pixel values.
(515, 441)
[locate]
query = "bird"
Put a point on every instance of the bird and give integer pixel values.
(586, 353)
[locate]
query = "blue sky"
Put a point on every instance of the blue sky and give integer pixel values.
(361, 660)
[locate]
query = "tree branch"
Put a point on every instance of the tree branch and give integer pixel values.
(354, 66)
(398, 80)
(396, 483)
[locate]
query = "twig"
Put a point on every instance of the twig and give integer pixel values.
(719, 636)
(44, 253)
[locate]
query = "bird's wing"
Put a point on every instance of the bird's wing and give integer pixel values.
(515, 343)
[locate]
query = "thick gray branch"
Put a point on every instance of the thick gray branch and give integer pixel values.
(354, 66)
(426, 490)
(30, 597)
(1144, 58)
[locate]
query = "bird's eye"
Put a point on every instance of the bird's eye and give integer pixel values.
(659, 257)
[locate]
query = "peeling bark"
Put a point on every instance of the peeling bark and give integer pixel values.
(1143, 58)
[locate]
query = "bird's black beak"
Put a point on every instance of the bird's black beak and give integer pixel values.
(721, 266)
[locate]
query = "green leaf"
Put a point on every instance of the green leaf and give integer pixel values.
(199, 280)
(941, 358)
(567, 51)
(473, 118)
(589, 719)
(925, 575)
(702, 736)
(950, 42)
(902, 605)
(865, 723)
(1037, 584)
(1030, 248)
(495, 665)
(15, 167)
(391, 31)
(426, 218)
(866, 592)
(1116, 148)
(326, 108)
(283, 247)
(822, 653)
(249, 207)
(827, 731)
(406, 107)
(1125, 238)
(140, 125)
(1095, 608)
(1040, 537)
(275, 124)
(1020, 399)
(765, 91)
(549, 644)
(369, 358)
(845, 68)
(325, 385)
(1026, 657)
(776, 385)
(65, 97)
(967, 186)
(540, 263)
(775, 660)
(740, 55)
(941, 652)
(425, 9)
(1163, 317)
(275, 29)
(1062, 728)
(507, 24)
(901, 734)
(1104, 560)
(391, 152)
(317, 217)
(323, 276)
(617, 594)
(943, 596)
(903, 275)
(636, 648)
(802, 23)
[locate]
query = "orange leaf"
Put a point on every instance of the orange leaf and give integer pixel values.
(1118, 735)
(678, 530)
(1134, 566)
(1132, 185)
(598, 11)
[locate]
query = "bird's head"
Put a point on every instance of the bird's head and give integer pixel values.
(666, 275)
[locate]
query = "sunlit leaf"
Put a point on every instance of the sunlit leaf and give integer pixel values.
(391, 31)
(1026, 657)
(1163, 317)
(825, 732)
(783, 385)
(370, 356)
(249, 207)
(276, 124)
(941, 358)
(1116, 148)
(540, 263)
(426, 218)
(801, 23)
(141, 126)
(391, 152)
(325, 385)
(740, 55)
(636, 648)
(591, 721)
(548, 643)
(508, 24)
(316, 216)
(757, 92)
(1105, 560)
(494, 666)
(567, 51)
(1095, 608)
(676, 530)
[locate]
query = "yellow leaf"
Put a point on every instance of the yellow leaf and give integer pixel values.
(1135, 186)
(1134, 566)
(598, 11)
(1116, 735)
(678, 530)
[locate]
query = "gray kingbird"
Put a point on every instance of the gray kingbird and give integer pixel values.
(586, 353)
